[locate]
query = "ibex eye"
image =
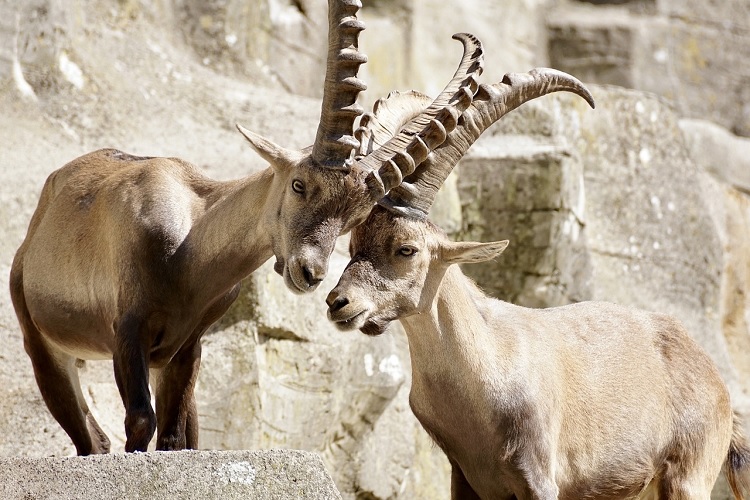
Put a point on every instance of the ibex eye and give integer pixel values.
(298, 186)
(407, 251)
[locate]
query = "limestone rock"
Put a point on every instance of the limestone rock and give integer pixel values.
(272, 474)
(678, 51)
(409, 44)
(528, 191)
(719, 152)
(283, 41)
(730, 15)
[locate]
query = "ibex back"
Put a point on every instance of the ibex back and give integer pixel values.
(133, 258)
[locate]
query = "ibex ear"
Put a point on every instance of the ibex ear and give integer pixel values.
(277, 156)
(470, 252)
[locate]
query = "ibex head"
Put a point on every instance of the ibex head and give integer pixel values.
(325, 190)
(398, 256)
(396, 269)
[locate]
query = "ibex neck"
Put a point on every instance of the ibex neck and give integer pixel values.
(453, 329)
(230, 239)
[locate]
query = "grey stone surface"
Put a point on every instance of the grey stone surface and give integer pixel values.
(199, 475)
(677, 51)
(278, 41)
(409, 44)
(719, 152)
(528, 191)
(729, 15)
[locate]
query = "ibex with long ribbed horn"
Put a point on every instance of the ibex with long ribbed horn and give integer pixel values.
(133, 258)
(590, 400)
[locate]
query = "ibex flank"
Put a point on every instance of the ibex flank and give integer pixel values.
(133, 258)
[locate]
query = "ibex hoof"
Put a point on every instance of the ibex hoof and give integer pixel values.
(139, 429)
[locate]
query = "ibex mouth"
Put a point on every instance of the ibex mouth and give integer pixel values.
(351, 323)
(279, 267)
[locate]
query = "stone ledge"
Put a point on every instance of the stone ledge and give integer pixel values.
(261, 475)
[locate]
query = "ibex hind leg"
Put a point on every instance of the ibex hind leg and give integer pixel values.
(693, 471)
(57, 378)
(695, 484)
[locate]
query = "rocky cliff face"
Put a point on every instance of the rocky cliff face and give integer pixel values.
(632, 203)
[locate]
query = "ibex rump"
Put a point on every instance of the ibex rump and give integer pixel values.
(133, 258)
(590, 400)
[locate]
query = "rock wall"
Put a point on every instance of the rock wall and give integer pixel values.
(691, 52)
(637, 202)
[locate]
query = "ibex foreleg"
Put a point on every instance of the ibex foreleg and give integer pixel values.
(130, 360)
(460, 487)
(176, 414)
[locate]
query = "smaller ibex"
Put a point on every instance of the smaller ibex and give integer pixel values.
(591, 400)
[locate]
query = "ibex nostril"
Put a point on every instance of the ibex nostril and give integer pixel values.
(310, 278)
(335, 302)
(332, 296)
(340, 303)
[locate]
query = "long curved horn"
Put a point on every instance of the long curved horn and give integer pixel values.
(398, 158)
(415, 195)
(334, 141)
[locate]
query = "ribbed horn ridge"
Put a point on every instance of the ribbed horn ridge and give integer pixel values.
(388, 116)
(398, 158)
(334, 140)
(415, 195)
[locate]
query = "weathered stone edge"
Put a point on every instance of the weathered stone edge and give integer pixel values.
(263, 474)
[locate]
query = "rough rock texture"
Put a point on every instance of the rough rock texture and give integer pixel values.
(610, 204)
(199, 475)
(719, 152)
(409, 42)
(530, 191)
(692, 52)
